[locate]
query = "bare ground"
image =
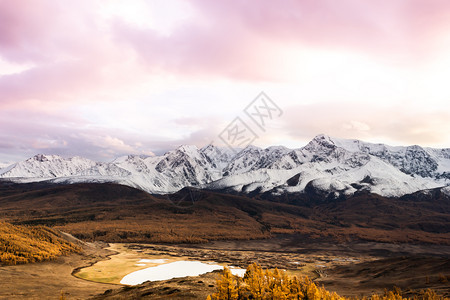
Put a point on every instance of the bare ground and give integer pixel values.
(351, 269)
(47, 280)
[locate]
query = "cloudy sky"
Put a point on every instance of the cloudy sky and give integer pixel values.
(102, 78)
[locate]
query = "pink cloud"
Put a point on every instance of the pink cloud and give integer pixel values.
(60, 43)
(78, 57)
(43, 30)
(31, 130)
(365, 121)
(38, 131)
(235, 38)
(51, 82)
(71, 54)
(195, 50)
(400, 26)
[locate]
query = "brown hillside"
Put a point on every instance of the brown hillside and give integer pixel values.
(25, 244)
(116, 213)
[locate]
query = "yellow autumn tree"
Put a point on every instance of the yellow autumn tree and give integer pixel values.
(227, 288)
(24, 244)
(277, 285)
(255, 281)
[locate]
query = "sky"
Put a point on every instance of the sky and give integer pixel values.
(104, 78)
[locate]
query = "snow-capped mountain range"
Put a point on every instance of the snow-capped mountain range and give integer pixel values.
(332, 165)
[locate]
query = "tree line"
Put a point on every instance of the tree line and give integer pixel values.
(261, 284)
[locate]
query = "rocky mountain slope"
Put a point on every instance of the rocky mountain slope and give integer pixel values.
(329, 165)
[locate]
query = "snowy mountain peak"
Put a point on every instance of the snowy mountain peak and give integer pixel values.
(43, 157)
(209, 148)
(322, 137)
(321, 141)
(334, 165)
(48, 166)
(188, 149)
(321, 148)
(277, 148)
(251, 148)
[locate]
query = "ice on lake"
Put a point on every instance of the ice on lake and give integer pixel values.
(174, 270)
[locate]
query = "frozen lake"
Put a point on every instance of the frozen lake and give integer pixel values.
(174, 270)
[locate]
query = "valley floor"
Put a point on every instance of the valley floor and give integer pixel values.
(355, 246)
(354, 268)
(351, 269)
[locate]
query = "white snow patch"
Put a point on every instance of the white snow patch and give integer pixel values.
(332, 164)
(446, 190)
(175, 269)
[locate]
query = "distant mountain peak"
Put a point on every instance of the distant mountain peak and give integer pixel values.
(208, 147)
(187, 148)
(43, 157)
(337, 166)
(252, 148)
(277, 148)
(40, 157)
(322, 136)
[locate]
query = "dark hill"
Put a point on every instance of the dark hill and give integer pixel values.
(113, 213)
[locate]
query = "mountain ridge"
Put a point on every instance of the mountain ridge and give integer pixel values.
(332, 165)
